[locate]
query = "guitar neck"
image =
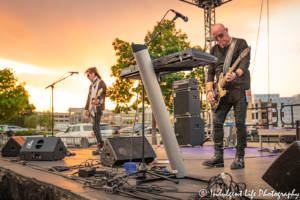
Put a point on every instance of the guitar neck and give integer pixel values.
(231, 69)
(234, 65)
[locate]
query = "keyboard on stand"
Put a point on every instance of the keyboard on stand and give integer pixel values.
(184, 60)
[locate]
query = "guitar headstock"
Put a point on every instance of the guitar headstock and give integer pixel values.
(245, 52)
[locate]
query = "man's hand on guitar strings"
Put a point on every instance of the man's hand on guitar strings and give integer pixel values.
(211, 98)
(230, 76)
(95, 102)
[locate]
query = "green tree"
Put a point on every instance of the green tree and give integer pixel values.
(20, 119)
(120, 92)
(45, 120)
(31, 121)
(13, 96)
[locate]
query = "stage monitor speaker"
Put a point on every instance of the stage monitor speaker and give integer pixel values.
(186, 102)
(117, 151)
(185, 84)
(189, 130)
(12, 147)
(283, 175)
(43, 148)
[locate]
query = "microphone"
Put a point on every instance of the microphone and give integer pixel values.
(74, 72)
(185, 19)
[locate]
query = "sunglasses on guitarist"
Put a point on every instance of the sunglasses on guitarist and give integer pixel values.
(219, 36)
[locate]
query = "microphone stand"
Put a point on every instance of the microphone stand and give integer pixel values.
(162, 30)
(52, 87)
(159, 33)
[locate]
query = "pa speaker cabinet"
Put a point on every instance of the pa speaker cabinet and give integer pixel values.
(117, 151)
(185, 84)
(189, 130)
(283, 175)
(186, 102)
(12, 147)
(43, 148)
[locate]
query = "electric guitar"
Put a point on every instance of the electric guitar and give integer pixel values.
(219, 88)
(91, 107)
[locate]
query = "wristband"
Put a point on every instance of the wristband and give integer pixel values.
(237, 74)
(210, 91)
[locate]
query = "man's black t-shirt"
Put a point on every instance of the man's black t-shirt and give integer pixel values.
(236, 87)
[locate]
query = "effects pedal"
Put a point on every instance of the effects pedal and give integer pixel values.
(86, 172)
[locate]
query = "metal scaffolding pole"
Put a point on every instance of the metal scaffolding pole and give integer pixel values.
(209, 22)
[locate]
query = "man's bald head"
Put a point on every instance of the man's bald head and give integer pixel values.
(217, 27)
(220, 35)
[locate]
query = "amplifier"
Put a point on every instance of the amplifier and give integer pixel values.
(186, 102)
(185, 84)
(189, 130)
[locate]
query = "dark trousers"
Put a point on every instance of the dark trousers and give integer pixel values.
(96, 129)
(240, 110)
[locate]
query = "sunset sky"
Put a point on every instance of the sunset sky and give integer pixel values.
(42, 40)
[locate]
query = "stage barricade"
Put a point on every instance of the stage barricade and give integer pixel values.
(76, 142)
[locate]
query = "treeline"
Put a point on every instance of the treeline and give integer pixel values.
(15, 108)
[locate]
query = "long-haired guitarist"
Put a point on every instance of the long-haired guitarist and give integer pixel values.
(95, 103)
(228, 50)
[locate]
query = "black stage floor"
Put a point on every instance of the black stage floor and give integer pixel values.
(256, 164)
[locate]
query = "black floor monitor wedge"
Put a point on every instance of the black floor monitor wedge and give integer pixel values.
(43, 148)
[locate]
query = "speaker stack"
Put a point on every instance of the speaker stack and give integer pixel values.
(188, 125)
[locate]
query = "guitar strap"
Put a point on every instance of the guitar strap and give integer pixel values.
(96, 89)
(229, 56)
(95, 92)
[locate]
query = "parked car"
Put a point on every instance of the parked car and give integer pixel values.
(137, 128)
(83, 134)
(14, 128)
(105, 129)
(79, 134)
(118, 127)
(148, 135)
(61, 127)
(4, 126)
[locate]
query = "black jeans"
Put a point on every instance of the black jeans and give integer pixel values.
(240, 111)
(97, 130)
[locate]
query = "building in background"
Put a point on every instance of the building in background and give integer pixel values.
(77, 116)
(62, 120)
(257, 116)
